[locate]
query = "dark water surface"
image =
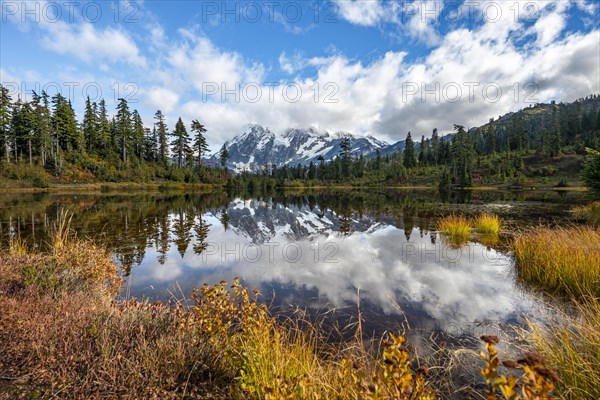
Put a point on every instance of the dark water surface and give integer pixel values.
(319, 251)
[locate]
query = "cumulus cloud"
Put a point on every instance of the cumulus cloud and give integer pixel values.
(365, 13)
(196, 61)
(471, 76)
(502, 53)
(160, 98)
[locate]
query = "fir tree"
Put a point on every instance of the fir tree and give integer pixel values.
(346, 155)
(200, 146)
(43, 134)
(223, 156)
(124, 128)
(181, 143)
(139, 138)
(5, 120)
(435, 147)
(161, 131)
(409, 156)
(104, 129)
(90, 126)
(463, 154)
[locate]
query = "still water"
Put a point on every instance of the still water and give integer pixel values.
(324, 252)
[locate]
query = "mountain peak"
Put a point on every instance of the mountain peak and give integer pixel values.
(258, 146)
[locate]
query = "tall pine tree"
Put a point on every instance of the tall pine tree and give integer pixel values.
(409, 156)
(181, 143)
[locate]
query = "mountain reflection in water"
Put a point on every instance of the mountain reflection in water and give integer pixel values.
(316, 251)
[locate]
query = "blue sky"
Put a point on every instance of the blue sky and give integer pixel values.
(369, 67)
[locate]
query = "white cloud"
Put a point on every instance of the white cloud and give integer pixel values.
(198, 62)
(422, 24)
(159, 98)
(350, 95)
(89, 44)
(360, 12)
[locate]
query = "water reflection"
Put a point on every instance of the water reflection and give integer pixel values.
(313, 250)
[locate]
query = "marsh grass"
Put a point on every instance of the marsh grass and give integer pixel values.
(17, 246)
(487, 224)
(565, 261)
(457, 228)
(590, 213)
(571, 345)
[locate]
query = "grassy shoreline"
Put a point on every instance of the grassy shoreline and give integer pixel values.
(63, 335)
(15, 187)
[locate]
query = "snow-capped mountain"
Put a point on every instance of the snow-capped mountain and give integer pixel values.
(259, 146)
(261, 222)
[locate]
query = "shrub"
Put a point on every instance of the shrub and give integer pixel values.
(590, 213)
(590, 173)
(40, 182)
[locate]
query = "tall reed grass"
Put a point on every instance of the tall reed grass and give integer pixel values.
(458, 228)
(487, 224)
(565, 261)
(590, 213)
(571, 345)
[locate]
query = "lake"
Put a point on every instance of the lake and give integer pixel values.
(331, 253)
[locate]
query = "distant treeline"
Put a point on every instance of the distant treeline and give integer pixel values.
(45, 132)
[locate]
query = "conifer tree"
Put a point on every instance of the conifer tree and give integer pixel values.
(90, 126)
(181, 143)
(139, 138)
(346, 156)
(409, 156)
(104, 129)
(124, 128)
(434, 149)
(43, 134)
(200, 146)
(5, 119)
(161, 131)
(223, 156)
(463, 155)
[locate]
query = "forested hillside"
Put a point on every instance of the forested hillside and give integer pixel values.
(43, 139)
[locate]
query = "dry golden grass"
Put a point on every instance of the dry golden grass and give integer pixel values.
(589, 213)
(62, 335)
(571, 345)
(561, 260)
(457, 228)
(487, 224)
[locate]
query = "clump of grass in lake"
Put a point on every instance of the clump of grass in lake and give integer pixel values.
(457, 228)
(561, 260)
(571, 345)
(590, 213)
(487, 224)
